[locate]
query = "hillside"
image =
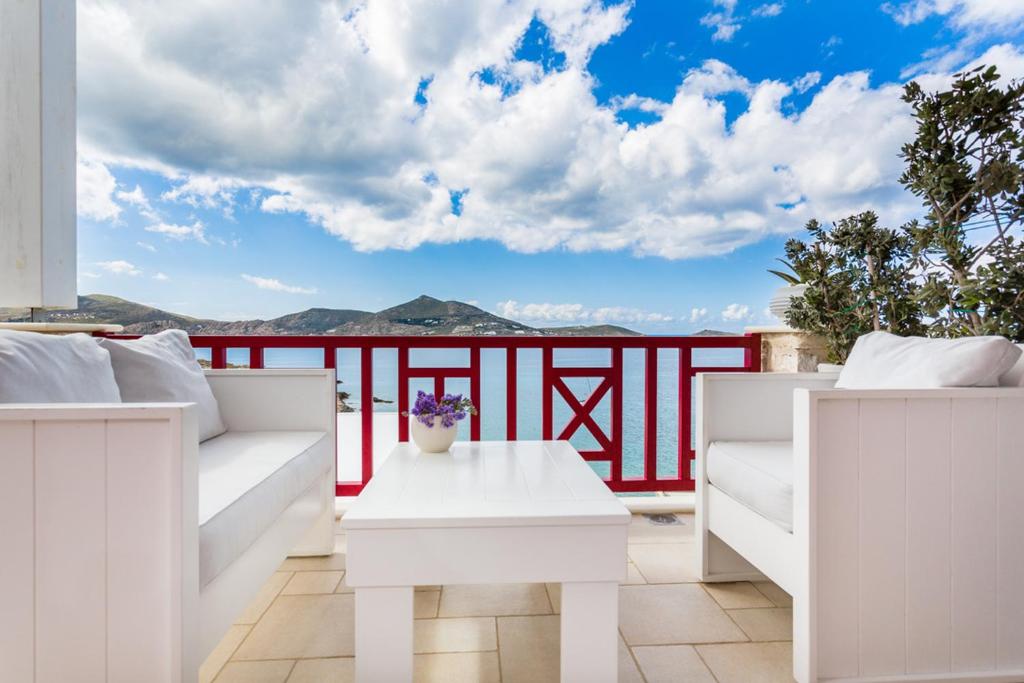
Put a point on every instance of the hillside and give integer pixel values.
(422, 316)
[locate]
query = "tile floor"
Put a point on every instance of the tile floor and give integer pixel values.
(299, 629)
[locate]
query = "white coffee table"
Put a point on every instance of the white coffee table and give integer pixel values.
(488, 512)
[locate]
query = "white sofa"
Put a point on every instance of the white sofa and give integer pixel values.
(129, 548)
(895, 519)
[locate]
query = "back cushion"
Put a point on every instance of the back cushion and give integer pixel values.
(1014, 377)
(162, 368)
(885, 361)
(49, 368)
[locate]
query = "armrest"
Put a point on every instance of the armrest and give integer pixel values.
(261, 400)
(747, 406)
(128, 474)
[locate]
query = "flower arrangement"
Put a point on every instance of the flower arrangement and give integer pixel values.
(451, 408)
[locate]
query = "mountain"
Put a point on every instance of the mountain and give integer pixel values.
(422, 316)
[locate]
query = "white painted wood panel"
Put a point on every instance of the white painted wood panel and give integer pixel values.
(142, 551)
(973, 534)
(1010, 534)
(17, 640)
(929, 524)
(882, 541)
(71, 565)
(836, 544)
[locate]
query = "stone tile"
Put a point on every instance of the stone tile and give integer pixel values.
(555, 596)
(345, 588)
(672, 664)
(261, 602)
(303, 627)
(779, 597)
(255, 672)
(628, 671)
(461, 634)
(633, 575)
(324, 671)
(457, 667)
(642, 530)
(737, 595)
(313, 564)
(666, 562)
(311, 583)
(529, 649)
(676, 614)
(222, 653)
(425, 603)
(749, 662)
(508, 599)
(770, 623)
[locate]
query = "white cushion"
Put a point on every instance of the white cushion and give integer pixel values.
(758, 474)
(49, 368)
(885, 361)
(246, 480)
(162, 368)
(1014, 377)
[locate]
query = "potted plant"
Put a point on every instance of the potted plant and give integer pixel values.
(794, 288)
(434, 423)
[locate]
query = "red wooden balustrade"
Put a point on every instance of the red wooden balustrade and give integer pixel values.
(552, 381)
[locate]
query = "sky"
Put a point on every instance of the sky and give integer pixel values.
(553, 161)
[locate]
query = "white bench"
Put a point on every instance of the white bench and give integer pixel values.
(129, 548)
(894, 518)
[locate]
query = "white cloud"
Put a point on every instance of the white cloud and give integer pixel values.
(986, 15)
(276, 285)
(119, 267)
(161, 277)
(570, 313)
(146, 245)
(196, 231)
(273, 120)
(772, 9)
(807, 81)
(698, 315)
(736, 312)
(723, 20)
(138, 199)
(95, 191)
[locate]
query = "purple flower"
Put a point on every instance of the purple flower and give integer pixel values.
(450, 408)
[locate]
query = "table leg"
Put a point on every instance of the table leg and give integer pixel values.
(384, 635)
(590, 632)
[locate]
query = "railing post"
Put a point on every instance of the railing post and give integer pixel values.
(474, 392)
(366, 399)
(255, 357)
(218, 357)
(403, 393)
(547, 389)
(685, 411)
(511, 390)
(616, 414)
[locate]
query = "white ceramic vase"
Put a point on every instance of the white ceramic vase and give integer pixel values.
(433, 439)
(783, 299)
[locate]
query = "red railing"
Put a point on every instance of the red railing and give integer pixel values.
(553, 378)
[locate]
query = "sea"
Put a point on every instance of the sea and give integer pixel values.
(528, 417)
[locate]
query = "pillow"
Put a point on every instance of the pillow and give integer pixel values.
(49, 368)
(1014, 377)
(885, 361)
(162, 368)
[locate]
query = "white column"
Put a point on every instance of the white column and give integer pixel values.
(590, 632)
(384, 635)
(37, 154)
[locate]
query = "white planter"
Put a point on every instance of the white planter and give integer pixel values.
(434, 439)
(783, 299)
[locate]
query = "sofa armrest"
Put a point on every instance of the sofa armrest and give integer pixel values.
(272, 399)
(747, 406)
(109, 493)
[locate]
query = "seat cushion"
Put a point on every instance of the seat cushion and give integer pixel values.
(246, 480)
(758, 474)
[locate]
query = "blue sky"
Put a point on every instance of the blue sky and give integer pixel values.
(637, 163)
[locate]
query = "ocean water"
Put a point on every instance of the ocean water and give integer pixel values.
(492, 404)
